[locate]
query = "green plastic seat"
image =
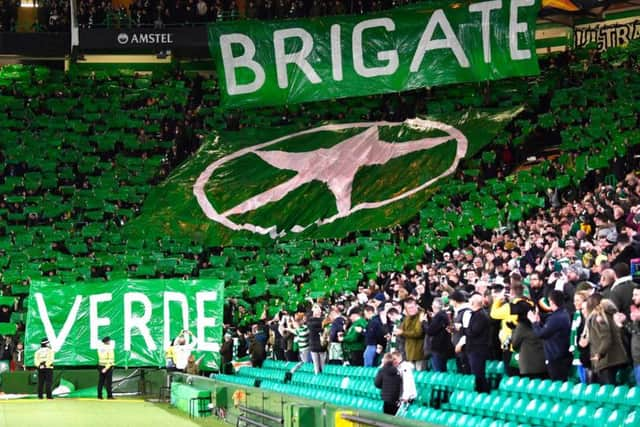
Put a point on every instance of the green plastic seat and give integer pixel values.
(484, 422)
(590, 392)
(604, 393)
(532, 388)
(578, 392)
(502, 411)
(616, 418)
(456, 400)
(464, 420)
(633, 397)
(633, 419)
(618, 395)
(521, 386)
(474, 402)
(564, 391)
(482, 407)
(557, 411)
(429, 415)
(542, 412)
(543, 386)
(508, 385)
(584, 415)
(517, 410)
(552, 391)
(600, 417)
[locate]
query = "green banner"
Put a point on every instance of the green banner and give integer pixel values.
(286, 62)
(141, 317)
(283, 182)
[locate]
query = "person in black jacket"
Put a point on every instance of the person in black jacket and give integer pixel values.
(336, 333)
(373, 336)
(438, 337)
(257, 350)
(389, 381)
(555, 334)
(314, 323)
(475, 341)
(226, 354)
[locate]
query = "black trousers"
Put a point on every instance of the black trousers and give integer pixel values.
(45, 381)
(356, 358)
(477, 364)
(291, 356)
(559, 369)
(390, 408)
(607, 376)
(462, 362)
(509, 370)
(104, 381)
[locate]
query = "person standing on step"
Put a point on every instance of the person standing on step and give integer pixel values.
(555, 333)
(412, 331)
(106, 361)
(353, 341)
(475, 341)
(389, 381)
(43, 360)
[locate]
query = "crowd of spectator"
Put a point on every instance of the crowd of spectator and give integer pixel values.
(8, 14)
(54, 15)
(553, 297)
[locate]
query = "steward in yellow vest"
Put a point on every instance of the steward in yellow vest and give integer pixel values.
(43, 360)
(106, 361)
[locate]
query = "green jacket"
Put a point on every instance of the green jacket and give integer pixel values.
(353, 340)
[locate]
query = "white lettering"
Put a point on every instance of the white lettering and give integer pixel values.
(449, 42)
(203, 321)
(485, 9)
(231, 63)
(139, 322)
(57, 341)
(170, 297)
(96, 322)
(299, 58)
(336, 53)
(515, 28)
(391, 56)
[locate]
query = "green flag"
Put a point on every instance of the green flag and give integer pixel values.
(320, 182)
(287, 62)
(140, 316)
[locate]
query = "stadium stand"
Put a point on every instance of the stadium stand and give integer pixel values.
(63, 219)
(77, 170)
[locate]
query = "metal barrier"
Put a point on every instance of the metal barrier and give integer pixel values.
(366, 421)
(200, 406)
(244, 412)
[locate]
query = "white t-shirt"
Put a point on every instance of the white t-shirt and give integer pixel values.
(409, 391)
(182, 353)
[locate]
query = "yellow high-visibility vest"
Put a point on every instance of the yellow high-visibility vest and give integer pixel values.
(44, 355)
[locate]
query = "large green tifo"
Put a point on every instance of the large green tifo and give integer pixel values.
(325, 181)
(287, 62)
(140, 316)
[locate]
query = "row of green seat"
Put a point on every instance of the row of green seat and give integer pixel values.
(547, 412)
(235, 379)
(347, 385)
(262, 373)
(433, 387)
(616, 396)
(332, 397)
